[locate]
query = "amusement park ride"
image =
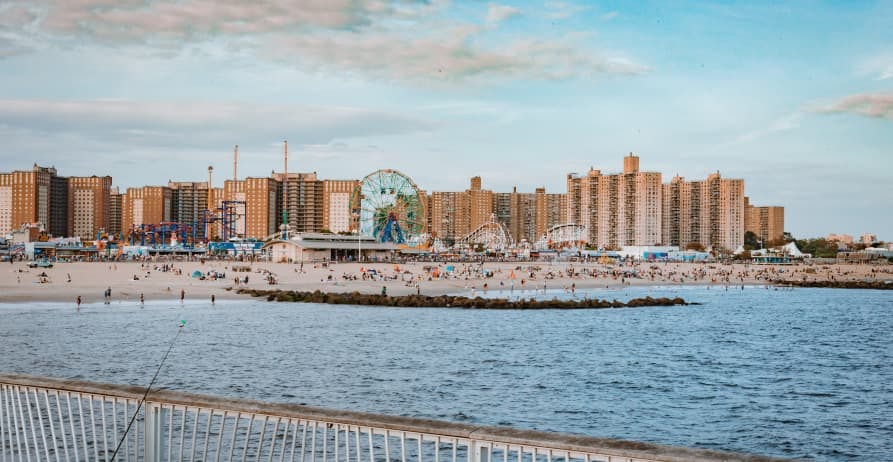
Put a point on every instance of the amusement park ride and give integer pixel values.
(389, 207)
(191, 234)
(386, 206)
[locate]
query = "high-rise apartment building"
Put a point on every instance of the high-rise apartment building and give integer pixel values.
(262, 207)
(551, 210)
(709, 213)
(60, 216)
(527, 216)
(189, 201)
(502, 207)
(480, 205)
(767, 222)
(453, 215)
(214, 230)
(522, 216)
(234, 190)
(617, 209)
(728, 231)
(449, 215)
(26, 198)
(89, 202)
(6, 188)
(115, 211)
(148, 205)
(304, 192)
(337, 216)
(677, 216)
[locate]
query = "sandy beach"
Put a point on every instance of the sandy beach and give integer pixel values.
(166, 280)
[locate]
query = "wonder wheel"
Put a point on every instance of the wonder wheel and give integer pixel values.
(388, 206)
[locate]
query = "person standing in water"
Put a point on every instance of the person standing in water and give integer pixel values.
(79, 302)
(182, 295)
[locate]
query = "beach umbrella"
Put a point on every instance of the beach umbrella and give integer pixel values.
(197, 274)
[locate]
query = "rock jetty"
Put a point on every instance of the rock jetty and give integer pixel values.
(878, 285)
(448, 301)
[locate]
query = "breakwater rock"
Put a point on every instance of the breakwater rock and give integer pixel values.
(448, 301)
(878, 285)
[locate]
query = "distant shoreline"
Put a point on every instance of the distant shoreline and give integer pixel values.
(165, 280)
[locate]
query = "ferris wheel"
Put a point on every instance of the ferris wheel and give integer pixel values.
(389, 207)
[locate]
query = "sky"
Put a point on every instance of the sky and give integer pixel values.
(794, 97)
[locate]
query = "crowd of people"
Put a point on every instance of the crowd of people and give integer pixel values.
(164, 279)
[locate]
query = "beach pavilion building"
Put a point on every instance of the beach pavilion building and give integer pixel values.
(319, 247)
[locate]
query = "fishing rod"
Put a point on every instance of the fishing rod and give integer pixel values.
(143, 399)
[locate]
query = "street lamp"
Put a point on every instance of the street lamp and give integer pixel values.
(356, 214)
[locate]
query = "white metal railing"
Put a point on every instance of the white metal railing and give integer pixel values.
(45, 419)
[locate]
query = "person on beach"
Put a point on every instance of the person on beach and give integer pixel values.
(182, 295)
(212, 299)
(78, 301)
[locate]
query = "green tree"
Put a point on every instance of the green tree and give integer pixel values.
(751, 241)
(819, 247)
(696, 246)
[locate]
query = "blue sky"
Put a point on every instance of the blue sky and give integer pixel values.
(794, 97)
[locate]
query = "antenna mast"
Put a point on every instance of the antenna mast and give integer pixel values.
(236, 163)
(210, 199)
(285, 196)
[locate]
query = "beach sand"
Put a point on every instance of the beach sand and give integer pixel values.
(19, 283)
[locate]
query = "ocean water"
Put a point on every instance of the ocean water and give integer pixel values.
(792, 373)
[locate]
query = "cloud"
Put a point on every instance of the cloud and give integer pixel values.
(148, 142)
(451, 55)
(200, 123)
(499, 13)
(411, 40)
(140, 21)
(16, 24)
(879, 105)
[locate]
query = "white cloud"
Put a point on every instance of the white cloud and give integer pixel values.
(499, 13)
(450, 55)
(190, 123)
(403, 41)
(877, 105)
(142, 21)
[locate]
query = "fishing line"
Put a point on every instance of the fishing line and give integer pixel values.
(143, 399)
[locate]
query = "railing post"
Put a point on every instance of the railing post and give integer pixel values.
(154, 432)
(474, 451)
